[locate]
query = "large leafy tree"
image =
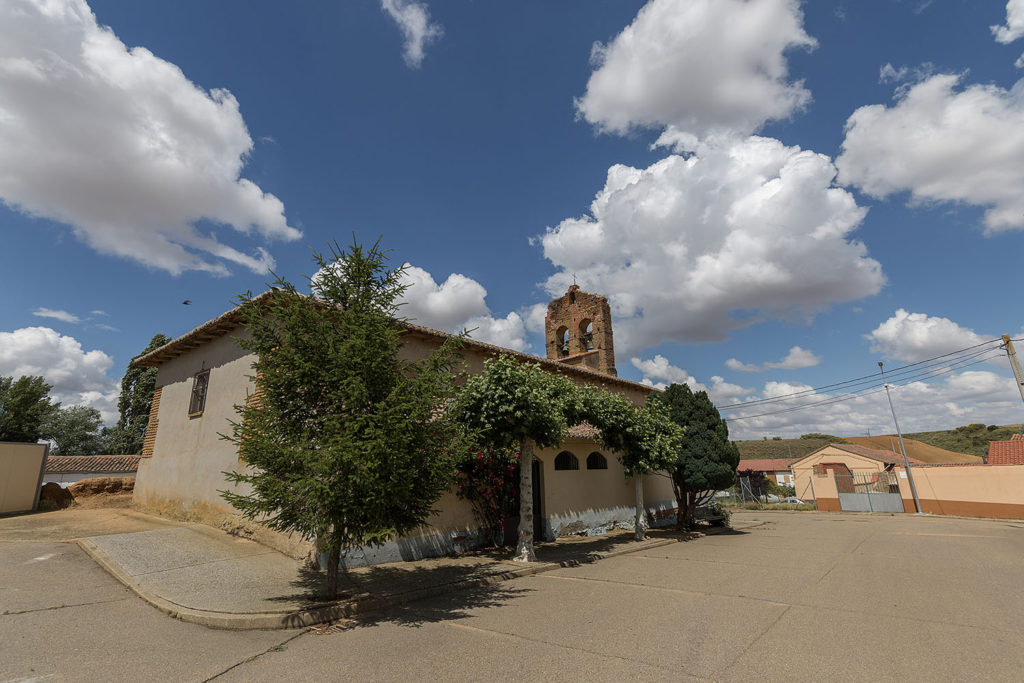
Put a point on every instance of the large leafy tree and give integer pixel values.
(347, 443)
(644, 438)
(25, 406)
(74, 430)
(512, 402)
(137, 386)
(707, 460)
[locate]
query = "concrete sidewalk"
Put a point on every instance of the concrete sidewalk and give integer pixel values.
(199, 574)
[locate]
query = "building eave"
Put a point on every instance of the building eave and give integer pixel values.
(232, 320)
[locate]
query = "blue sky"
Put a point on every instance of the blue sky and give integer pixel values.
(774, 195)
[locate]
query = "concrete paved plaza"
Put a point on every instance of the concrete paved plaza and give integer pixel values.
(805, 596)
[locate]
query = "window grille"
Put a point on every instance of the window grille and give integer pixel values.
(566, 461)
(200, 383)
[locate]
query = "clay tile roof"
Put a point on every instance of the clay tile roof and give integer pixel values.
(1017, 437)
(767, 464)
(231, 320)
(1006, 452)
(89, 464)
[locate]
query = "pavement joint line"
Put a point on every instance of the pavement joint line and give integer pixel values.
(562, 646)
(644, 586)
(287, 619)
(726, 562)
(841, 556)
(200, 564)
(273, 648)
(756, 638)
(57, 607)
(933, 622)
(789, 605)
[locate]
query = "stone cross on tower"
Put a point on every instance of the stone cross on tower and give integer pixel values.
(578, 331)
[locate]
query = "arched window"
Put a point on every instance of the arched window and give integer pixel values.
(596, 461)
(563, 340)
(566, 461)
(586, 335)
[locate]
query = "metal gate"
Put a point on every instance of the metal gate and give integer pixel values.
(874, 492)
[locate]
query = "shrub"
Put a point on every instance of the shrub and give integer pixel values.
(489, 480)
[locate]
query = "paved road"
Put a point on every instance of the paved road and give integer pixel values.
(806, 596)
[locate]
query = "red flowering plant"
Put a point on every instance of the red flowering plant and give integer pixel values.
(489, 480)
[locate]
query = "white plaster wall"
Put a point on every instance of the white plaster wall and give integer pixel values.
(189, 456)
(594, 501)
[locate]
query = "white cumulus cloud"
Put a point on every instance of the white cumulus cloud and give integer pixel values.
(459, 303)
(508, 332)
(78, 377)
(63, 316)
(1014, 27)
(911, 337)
(740, 366)
(444, 306)
(418, 31)
(691, 248)
(943, 143)
(794, 360)
(121, 146)
(658, 368)
(958, 399)
(698, 67)
(658, 372)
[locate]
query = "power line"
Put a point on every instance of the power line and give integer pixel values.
(866, 379)
(867, 391)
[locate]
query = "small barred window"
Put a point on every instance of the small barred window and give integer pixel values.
(200, 383)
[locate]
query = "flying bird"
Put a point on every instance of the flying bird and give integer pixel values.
(187, 302)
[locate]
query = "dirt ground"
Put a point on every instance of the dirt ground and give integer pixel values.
(79, 521)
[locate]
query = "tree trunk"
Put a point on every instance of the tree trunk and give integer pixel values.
(333, 560)
(524, 551)
(691, 508)
(639, 520)
(680, 491)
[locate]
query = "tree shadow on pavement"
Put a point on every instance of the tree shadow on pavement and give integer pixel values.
(439, 589)
(407, 594)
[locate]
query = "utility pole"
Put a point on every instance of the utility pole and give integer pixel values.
(1014, 363)
(906, 460)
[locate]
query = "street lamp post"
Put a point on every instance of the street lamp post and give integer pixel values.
(906, 460)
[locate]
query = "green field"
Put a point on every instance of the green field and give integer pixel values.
(972, 439)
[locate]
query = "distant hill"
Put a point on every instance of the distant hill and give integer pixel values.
(918, 447)
(915, 448)
(972, 438)
(784, 448)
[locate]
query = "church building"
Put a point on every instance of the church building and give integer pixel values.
(580, 488)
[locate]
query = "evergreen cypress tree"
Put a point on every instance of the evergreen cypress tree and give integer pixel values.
(707, 460)
(346, 444)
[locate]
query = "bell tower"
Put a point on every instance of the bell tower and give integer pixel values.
(578, 331)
